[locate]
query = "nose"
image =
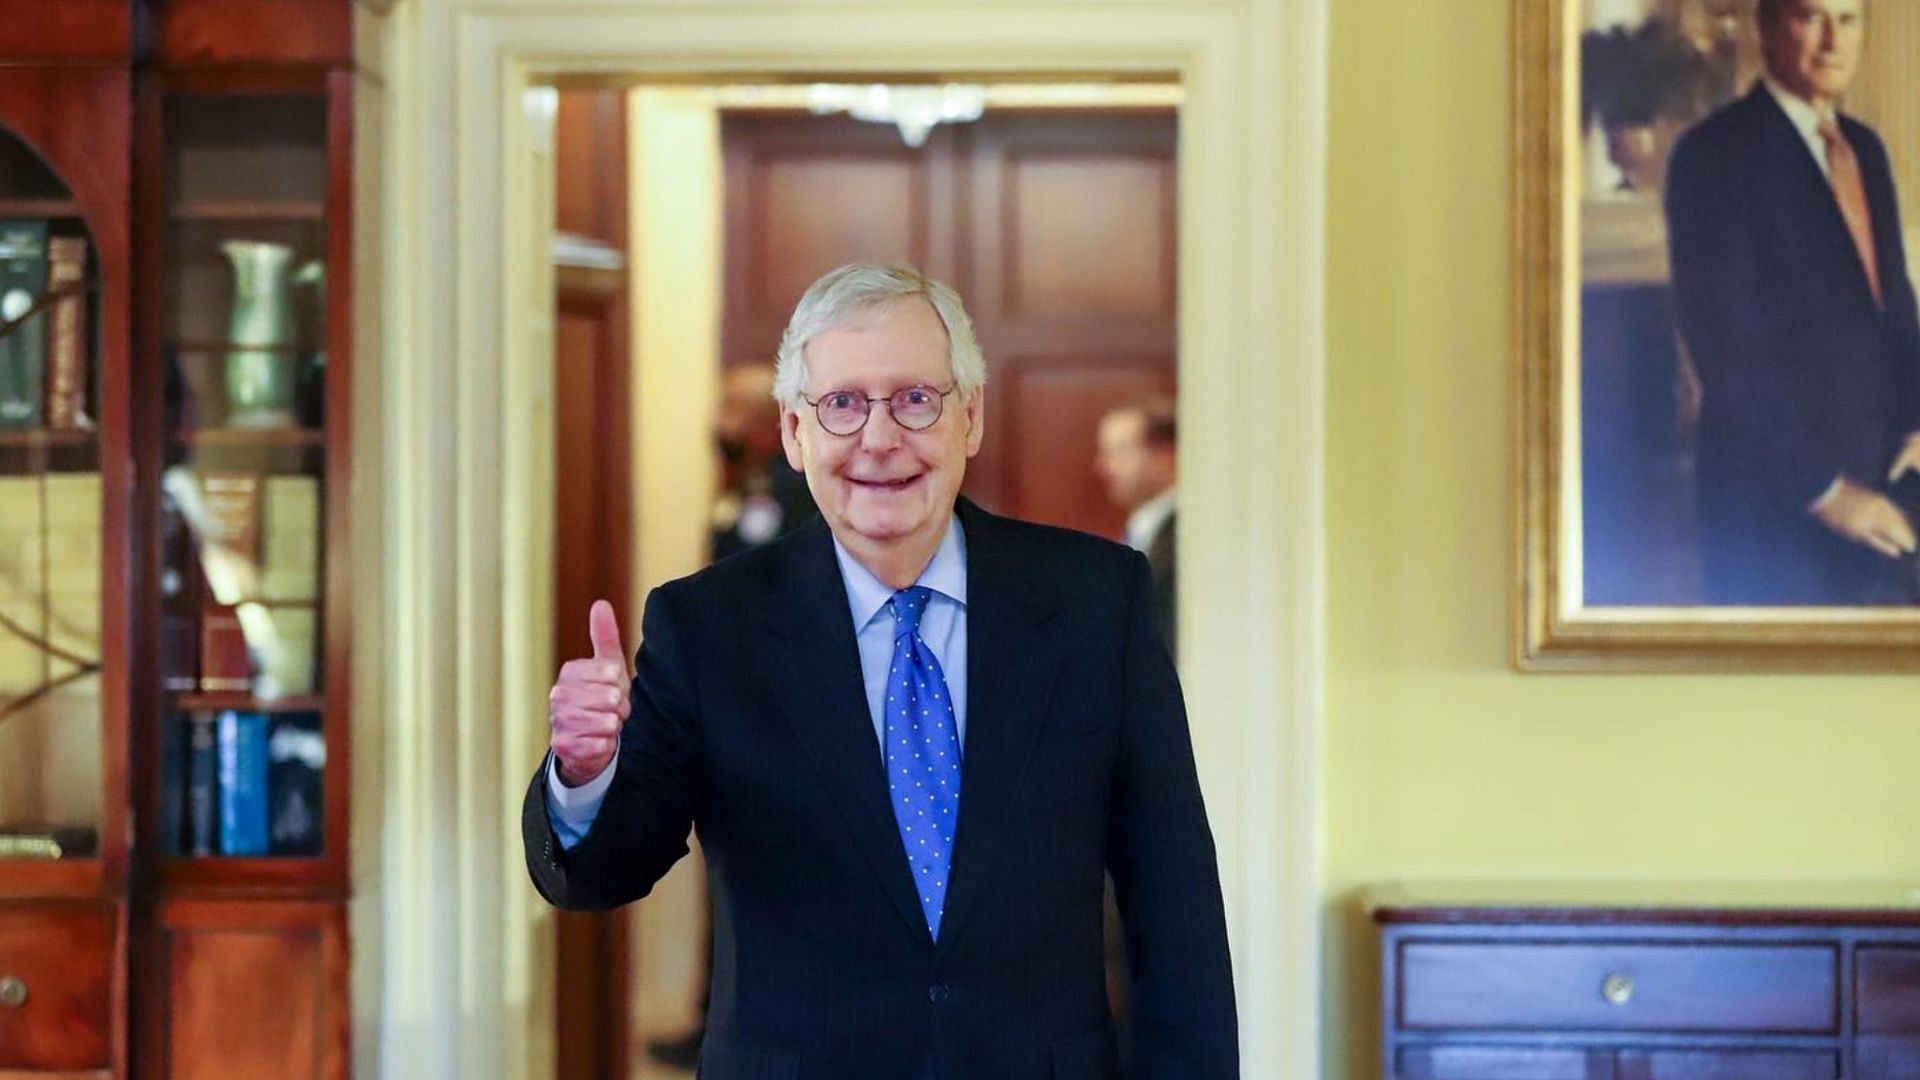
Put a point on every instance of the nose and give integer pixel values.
(881, 432)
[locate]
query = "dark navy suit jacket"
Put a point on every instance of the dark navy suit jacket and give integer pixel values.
(1805, 378)
(750, 724)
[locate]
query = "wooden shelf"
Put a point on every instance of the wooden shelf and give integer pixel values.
(262, 210)
(222, 348)
(242, 437)
(197, 702)
(82, 876)
(265, 876)
(49, 437)
(13, 209)
(274, 604)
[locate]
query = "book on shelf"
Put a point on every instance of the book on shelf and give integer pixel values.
(226, 664)
(66, 380)
(242, 740)
(49, 842)
(296, 764)
(232, 502)
(202, 812)
(180, 601)
(23, 278)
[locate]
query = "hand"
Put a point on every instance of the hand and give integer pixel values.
(1909, 459)
(589, 702)
(1866, 517)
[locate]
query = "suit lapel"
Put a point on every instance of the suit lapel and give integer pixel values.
(1794, 158)
(814, 669)
(1011, 667)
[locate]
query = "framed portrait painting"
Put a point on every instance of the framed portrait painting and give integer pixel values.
(1717, 227)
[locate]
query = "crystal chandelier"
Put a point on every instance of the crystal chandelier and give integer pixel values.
(914, 109)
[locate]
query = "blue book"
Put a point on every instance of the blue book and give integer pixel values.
(242, 738)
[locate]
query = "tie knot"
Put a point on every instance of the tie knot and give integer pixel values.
(1830, 131)
(908, 605)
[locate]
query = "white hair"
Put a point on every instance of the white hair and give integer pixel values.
(843, 293)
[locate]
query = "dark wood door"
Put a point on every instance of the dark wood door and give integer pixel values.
(591, 504)
(1057, 228)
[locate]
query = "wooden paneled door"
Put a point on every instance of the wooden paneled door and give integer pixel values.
(1056, 227)
(591, 502)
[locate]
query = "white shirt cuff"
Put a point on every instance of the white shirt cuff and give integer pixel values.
(1826, 495)
(572, 809)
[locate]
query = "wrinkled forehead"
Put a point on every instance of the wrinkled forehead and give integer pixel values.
(900, 338)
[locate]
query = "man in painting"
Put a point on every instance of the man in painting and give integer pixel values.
(1796, 308)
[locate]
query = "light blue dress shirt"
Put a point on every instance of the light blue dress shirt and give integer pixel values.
(943, 628)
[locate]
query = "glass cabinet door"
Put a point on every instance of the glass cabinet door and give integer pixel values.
(51, 503)
(243, 483)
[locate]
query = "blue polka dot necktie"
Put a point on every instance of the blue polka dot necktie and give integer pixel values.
(923, 754)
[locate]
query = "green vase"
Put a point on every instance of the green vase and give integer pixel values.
(260, 368)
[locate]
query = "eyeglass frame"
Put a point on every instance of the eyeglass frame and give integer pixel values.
(866, 415)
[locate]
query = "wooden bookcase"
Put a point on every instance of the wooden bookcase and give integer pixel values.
(174, 585)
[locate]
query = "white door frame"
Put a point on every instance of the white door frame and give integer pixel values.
(460, 983)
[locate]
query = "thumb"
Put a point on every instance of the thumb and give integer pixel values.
(604, 629)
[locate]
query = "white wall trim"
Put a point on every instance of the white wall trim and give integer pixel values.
(463, 493)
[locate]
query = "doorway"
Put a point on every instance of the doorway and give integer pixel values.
(1053, 214)
(465, 426)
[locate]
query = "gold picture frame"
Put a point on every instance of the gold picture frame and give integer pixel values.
(1601, 578)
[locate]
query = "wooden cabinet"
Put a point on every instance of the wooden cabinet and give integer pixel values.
(175, 247)
(57, 985)
(1650, 990)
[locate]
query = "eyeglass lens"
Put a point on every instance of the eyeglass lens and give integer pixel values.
(843, 412)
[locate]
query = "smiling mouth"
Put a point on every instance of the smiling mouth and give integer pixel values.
(884, 485)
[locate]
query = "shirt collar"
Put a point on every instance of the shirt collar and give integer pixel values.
(946, 575)
(1146, 519)
(1806, 118)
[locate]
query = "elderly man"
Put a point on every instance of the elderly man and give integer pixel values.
(1797, 310)
(913, 736)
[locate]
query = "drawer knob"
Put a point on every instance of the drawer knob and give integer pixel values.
(13, 992)
(1617, 989)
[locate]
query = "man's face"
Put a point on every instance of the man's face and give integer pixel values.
(1132, 470)
(1813, 46)
(884, 485)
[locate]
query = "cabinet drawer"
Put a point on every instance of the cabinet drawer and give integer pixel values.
(1886, 1057)
(60, 957)
(1727, 1065)
(1888, 990)
(1625, 987)
(1503, 1063)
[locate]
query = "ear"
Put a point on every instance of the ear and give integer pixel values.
(790, 438)
(976, 420)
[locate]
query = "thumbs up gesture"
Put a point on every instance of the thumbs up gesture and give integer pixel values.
(589, 702)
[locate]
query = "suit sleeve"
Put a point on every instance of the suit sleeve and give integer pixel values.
(1166, 879)
(642, 826)
(1720, 303)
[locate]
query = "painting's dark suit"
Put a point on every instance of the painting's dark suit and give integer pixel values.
(750, 723)
(1805, 378)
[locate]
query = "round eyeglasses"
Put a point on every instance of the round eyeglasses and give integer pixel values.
(845, 412)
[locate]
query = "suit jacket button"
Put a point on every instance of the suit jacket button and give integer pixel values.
(939, 992)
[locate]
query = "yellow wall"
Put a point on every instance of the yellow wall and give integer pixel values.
(1440, 760)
